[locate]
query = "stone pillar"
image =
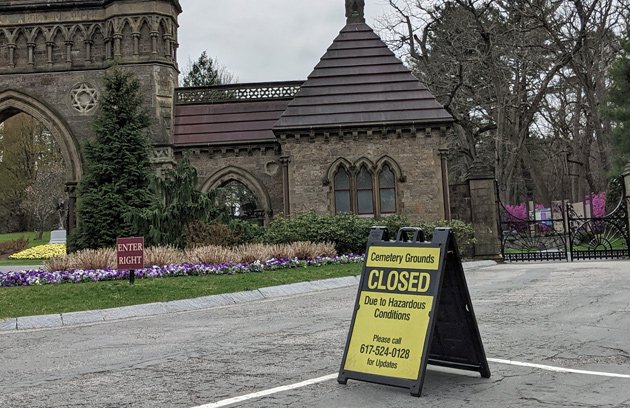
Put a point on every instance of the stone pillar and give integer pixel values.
(88, 51)
(69, 45)
(483, 203)
(12, 48)
(31, 49)
(445, 189)
(71, 222)
(285, 160)
(136, 43)
(117, 46)
(49, 52)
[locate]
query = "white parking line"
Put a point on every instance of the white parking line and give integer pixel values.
(234, 400)
(557, 369)
(264, 393)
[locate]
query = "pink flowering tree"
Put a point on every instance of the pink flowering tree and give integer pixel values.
(598, 205)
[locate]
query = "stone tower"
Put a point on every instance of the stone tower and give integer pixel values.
(53, 54)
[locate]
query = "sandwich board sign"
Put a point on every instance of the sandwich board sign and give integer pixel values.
(413, 308)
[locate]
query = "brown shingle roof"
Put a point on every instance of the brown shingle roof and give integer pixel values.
(230, 114)
(227, 123)
(360, 82)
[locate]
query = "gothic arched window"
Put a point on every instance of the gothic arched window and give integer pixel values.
(342, 191)
(387, 190)
(363, 188)
(365, 192)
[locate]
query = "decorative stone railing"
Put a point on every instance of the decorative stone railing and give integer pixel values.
(237, 93)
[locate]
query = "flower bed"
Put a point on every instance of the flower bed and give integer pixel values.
(41, 252)
(41, 277)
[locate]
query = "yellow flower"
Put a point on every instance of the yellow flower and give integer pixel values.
(41, 252)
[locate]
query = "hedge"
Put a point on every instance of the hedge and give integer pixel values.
(349, 232)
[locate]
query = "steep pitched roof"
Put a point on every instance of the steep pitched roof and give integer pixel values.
(360, 82)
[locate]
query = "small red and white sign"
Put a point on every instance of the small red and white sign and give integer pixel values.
(130, 253)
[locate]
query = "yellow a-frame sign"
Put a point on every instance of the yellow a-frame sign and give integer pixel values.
(412, 309)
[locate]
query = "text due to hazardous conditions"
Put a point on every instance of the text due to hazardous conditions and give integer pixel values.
(403, 321)
(393, 314)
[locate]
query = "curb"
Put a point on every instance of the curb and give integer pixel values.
(186, 305)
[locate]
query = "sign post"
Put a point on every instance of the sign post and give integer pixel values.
(412, 309)
(130, 255)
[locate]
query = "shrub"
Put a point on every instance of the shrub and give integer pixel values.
(464, 233)
(179, 203)
(348, 233)
(16, 245)
(247, 232)
(203, 234)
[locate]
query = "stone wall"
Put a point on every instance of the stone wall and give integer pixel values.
(460, 202)
(415, 152)
(259, 168)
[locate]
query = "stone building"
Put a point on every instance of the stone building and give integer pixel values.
(360, 135)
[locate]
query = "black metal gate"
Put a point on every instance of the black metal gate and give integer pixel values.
(565, 235)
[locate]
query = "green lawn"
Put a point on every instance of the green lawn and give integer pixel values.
(38, 300)
(31, 243)
(28, 235)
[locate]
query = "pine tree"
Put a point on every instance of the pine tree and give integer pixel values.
(116, 179)
(618, 108)
(206, 71)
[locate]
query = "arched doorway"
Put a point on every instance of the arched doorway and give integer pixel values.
(13, 103)
(239, 200)
(244, 193)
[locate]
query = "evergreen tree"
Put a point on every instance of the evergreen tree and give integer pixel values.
(179, 203)
(618, 107)
(116, 179)
(206, 72)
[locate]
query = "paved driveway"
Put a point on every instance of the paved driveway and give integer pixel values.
(561, 315)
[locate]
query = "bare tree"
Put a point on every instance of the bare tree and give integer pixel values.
(505, 70)
(45, 197)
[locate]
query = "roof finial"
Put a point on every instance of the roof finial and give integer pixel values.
(355, 11)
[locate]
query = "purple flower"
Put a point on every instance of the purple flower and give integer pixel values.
(41, 277)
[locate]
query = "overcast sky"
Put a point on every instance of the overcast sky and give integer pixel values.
(264, 40)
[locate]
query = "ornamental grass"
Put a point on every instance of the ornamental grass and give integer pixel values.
(255, 252)
(211, 254)
(163, 255)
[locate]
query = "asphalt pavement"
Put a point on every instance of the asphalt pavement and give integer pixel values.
(549, 317)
